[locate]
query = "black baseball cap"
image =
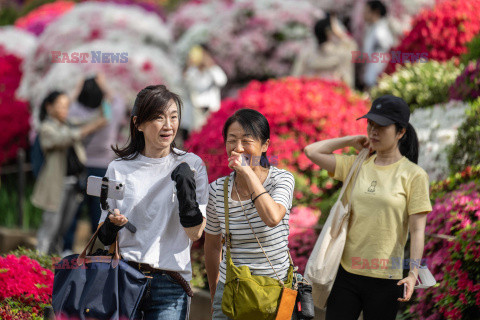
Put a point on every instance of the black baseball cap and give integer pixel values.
(387, 110)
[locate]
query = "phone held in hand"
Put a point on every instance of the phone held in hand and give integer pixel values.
(116, 189)
(403, 293)
(107, 110)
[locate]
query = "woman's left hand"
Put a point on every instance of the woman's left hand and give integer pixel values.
(410, 282)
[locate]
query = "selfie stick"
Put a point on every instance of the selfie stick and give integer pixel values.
(103, 201)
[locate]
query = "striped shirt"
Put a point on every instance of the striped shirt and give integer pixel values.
(245, 249)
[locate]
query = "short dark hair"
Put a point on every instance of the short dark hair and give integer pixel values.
(49, 100)
(253, 123)
(151, 102)
(91, 95)
(377, 6)
(320, 29)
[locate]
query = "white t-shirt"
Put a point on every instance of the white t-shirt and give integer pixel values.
(378, 38)
(245, 249)
(151, 205)
(205, 86)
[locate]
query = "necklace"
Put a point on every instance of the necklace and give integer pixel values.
(247, 195)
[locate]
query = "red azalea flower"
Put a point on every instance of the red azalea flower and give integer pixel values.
(453, 263)
(442, 31)
(14, 114)
(37, 20)
(300, 111)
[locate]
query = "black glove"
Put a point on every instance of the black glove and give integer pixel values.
(108, 232)
(190, 215)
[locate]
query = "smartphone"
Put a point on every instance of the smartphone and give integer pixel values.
(404, 291)
(116, 189)
(107, 110)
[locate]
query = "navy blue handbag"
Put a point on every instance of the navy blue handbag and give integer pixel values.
(96, 287)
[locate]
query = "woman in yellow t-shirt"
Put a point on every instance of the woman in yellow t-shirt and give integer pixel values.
(390, 197)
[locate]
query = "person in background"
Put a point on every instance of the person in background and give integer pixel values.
(331, 57)
(94, 99)
(55, 189)
(204, 80)
(390, 199)
(166, 194)
(378, 39)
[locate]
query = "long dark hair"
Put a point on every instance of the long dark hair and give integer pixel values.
(49, 100)
(151, 102)
(254, 123)
(91, 95)
(408, 144)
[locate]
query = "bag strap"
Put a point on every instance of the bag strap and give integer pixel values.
(249, 224)
(228, 238)
(354, 170)
(116, 255)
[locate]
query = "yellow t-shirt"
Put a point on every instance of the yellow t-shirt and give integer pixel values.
(382, 200)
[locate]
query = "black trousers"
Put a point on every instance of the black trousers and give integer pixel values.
(353, 293)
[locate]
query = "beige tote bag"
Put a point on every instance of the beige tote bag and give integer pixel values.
(324, 261)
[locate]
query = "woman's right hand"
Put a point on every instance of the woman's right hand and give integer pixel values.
(117, 218)
(360, 142)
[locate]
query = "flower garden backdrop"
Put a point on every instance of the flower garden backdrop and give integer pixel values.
(255, 42)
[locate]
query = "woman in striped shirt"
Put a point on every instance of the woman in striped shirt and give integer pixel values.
(264, 191)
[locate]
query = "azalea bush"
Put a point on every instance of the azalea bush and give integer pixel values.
(473, 50)
(154, 6)
(17, 41)
(14, 114)
(436, 128)
(251, 39)
(419, 84)
(302, 237)
(193, 13)
(37, 20)
(46, 261)
(467, 85)
(301, 219)
(440, 188)
(138, 39)
(455, 263)
(318, 191)
(26, 288)
(300, 112)
(443, 31)
(465, 151)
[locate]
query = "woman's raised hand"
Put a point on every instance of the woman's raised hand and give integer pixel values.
(239, 162)
(360, 142)
(117, 218)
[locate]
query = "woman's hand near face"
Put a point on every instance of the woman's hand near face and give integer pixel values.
(241, 164)
(360, 142)
(117, 218)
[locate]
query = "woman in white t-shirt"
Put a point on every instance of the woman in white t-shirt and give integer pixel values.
(264, 191)
(165, 198)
